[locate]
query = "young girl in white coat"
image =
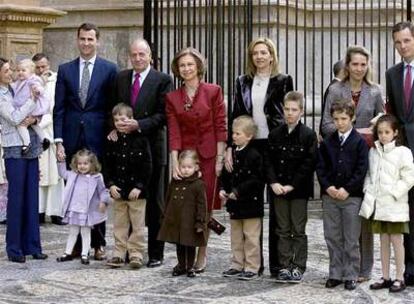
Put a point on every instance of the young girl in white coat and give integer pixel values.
(389, 178)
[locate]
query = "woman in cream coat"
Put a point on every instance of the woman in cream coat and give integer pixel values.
(50, 184)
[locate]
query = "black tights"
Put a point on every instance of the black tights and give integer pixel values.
(186, 256)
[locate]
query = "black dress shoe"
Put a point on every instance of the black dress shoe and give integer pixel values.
(39, 256)
(57, 220)
(41, 218)
(64, 258)
(409, 279)
(331, 283)
(154, 263)
(177, 271)
(191, 273)
(350, 284)
(17, 259)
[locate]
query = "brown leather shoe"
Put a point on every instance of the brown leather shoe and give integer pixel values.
(100, 254)
(397, 286)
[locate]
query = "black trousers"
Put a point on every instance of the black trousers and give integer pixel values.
(186, 257)
(154, 211)
(409, 241)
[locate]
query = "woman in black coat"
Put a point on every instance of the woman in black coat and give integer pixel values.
(259, 93)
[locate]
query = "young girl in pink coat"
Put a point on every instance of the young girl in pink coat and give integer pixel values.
(85, 201)
(22, 88)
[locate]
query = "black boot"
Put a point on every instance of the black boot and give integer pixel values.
(41, 218)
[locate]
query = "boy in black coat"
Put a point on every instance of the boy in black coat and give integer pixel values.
(290, 163)
(242, 189)
(127, 171)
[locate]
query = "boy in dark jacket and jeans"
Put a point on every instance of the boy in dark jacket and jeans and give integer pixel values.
(341, 168)
(290, 163)
(127, 170)
(243, 189)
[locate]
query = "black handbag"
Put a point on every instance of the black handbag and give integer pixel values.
(216, 226)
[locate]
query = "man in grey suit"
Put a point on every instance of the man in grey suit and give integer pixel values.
(400, 103)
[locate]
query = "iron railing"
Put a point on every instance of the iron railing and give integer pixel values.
(310, 36)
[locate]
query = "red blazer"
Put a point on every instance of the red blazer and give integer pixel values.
(202, 126)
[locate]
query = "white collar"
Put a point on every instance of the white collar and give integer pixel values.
(142, 74)
(91, 61)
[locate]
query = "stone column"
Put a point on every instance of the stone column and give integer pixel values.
(21, 27)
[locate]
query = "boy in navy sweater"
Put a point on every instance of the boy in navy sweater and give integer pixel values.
(290, 163)
(341, 168)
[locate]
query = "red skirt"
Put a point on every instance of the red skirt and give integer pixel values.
(208, 171)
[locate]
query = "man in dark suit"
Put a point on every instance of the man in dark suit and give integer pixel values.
(144, 89)
(80, 119)
(400, 103)
(338, 71)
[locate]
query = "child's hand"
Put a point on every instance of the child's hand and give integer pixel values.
(277, 188)
(287, 189)
(342, 194)
(102, 207)
(35, 90)
(332, 192)
(114, 190)
(134, 194)
(198, 230)
(112, 136)
(232, 196)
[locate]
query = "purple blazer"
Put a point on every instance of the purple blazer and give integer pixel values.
(98, 193)
(22, 92)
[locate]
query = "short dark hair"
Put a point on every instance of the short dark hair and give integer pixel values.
(39, 56)
(3, 61)
(89, 27)
(343, 105)
(338, 67)
(400, 26)
(393, 123)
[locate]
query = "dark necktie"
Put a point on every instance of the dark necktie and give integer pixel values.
(341, 139)
(135, 90)
(407, 88)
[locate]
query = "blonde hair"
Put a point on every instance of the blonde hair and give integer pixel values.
(191, 154)
(251, 68)
(122, 108)
(357, 49)
(294, 96)
(27, 63)
(95, 165)
(199, 59)
(246, 124)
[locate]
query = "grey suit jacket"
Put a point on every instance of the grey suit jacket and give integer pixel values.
(370, 104)
(10, 117)
(396, 103)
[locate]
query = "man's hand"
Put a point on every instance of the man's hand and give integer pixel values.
(114, 190)
(232, 196)
(60, 152)
(128, 126)
(134, 194)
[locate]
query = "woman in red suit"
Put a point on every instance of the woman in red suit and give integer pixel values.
(196, 119)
